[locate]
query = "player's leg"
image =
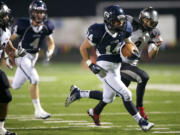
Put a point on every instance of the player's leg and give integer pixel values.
(76, 93)
(26, 71)
(18, 80)
(119, 87)
(34, 93)
(108, 97)
(133, 73)
(5, 98)
(28, 65)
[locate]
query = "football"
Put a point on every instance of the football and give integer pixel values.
(128, 49)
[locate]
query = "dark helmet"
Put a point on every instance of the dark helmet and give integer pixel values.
(38, 6)
(114, 14)
(5, 11)
(152, 15)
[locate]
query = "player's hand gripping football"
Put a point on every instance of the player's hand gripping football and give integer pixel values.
(130, 51)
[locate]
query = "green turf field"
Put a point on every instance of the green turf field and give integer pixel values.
(162, 102)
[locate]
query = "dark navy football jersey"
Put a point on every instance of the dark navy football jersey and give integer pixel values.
(108, 46)
(29, 39)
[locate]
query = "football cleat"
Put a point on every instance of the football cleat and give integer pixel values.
(10, 133)
(42, 114)
(142, 112)
(145, 125)
(73, 96)
(95, 117)
(5, 132)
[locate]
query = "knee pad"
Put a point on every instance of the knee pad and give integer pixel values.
(34, 80)
(5, 96)
(145, 77)
(15, 87)
(108, 100)
(4, 83)
(127, 95)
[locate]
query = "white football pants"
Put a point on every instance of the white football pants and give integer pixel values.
(25, 70)
(112, 84)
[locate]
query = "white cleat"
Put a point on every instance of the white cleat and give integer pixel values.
(42, 115)
(3, 131)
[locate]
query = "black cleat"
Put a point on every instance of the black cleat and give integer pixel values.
(73, 96)
(145, 125)
(10, 133)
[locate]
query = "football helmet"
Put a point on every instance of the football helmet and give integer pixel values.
(5, 16)
(115, 18)
(38, 11)
(149, 18)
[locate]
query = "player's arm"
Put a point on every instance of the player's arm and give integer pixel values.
(154, 43)
(84, 53)
(9, 47)
(51, 46)
(153, 47)
(84, 49)
(13, 37)
(9, 55)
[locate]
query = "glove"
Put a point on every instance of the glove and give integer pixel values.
(96, 69)
(20, 52)
(49, 54)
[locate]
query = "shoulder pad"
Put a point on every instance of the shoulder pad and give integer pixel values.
(95, 32)
(49, 24)
(129, 27)
(129, 18)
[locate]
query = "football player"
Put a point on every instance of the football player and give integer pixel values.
(32, 32)
(147, 38)
(6, 48)
(108, 39)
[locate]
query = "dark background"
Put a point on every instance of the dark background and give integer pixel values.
(73, 8)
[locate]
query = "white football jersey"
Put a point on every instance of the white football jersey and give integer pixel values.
(141, 37)
(4, 38)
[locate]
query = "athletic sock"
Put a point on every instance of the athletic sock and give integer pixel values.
(84, 93)
(99, 107)
(1, 124)
(95, 94)
(2, 129)
(137, 117)
(37, 105)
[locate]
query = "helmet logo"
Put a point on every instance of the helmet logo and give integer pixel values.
(6, 9)
(39, 8)
(106, 14)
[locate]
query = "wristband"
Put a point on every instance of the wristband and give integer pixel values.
(88, 62)
(50, 52)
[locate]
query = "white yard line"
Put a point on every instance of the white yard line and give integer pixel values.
(166, 132)
(160, 87)
(31, 117)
